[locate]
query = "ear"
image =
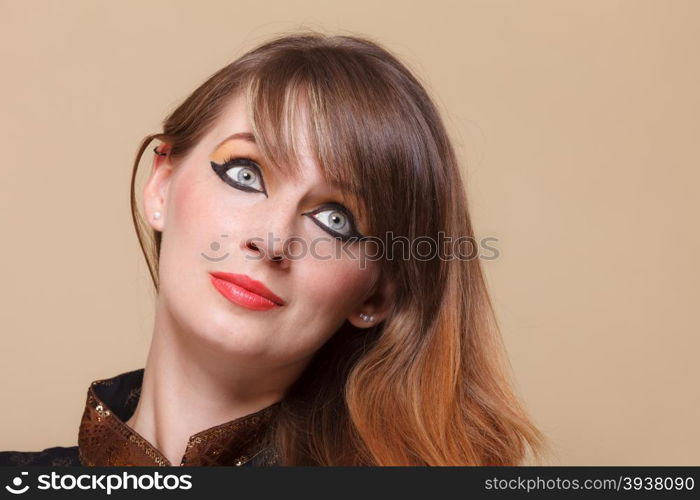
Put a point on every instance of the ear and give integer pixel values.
(376, 306)
(155, 191)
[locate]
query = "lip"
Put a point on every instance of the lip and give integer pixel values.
(245, 291)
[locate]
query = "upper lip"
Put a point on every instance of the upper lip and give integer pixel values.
(249, 283)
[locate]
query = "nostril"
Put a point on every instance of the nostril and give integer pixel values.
(274, 258)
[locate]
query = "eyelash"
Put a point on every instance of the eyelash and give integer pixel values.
(237, 161)
(222, 168)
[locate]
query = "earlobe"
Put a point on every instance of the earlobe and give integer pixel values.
(377, 306)
(155, 191)
(362, 320)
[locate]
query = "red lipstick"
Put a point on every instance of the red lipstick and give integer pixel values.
(245, 291)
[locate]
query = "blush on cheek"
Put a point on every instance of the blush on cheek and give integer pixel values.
(187, 205)
(342, 281)
(181, 198)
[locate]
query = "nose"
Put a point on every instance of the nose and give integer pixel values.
(259, 249)
(272, 240)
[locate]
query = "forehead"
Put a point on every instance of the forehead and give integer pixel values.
(234, 126)
(234, 118)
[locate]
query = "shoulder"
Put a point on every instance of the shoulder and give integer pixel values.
(56, 456)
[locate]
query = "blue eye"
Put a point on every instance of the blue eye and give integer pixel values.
(241, 173)
(335, 219)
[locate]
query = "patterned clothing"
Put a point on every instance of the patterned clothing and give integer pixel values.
(105, 440)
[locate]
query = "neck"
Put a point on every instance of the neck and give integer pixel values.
(188, 388)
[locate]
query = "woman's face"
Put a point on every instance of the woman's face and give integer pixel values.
(223, 211)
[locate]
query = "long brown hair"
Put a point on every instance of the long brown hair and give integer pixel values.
(430, 384)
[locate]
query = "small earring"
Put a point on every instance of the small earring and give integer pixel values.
(156, 215)
(366, 317)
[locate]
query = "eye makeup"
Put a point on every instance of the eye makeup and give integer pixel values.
(241, 173)
(342, 216)
(245, 174)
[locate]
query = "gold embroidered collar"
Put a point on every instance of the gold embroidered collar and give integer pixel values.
(105, 440)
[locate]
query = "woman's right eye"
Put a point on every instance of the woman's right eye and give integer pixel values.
(241, 173)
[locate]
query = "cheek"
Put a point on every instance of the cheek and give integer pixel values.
(190, 231)
(188, 205)
(195, 217)
(338, 285)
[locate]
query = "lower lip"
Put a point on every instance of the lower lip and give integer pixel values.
(242, 296)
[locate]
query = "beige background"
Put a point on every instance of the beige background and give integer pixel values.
(578, 126)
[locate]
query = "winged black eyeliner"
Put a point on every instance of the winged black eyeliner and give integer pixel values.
(222, 168)
(337, 206)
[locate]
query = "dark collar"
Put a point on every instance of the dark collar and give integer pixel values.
(105, 440)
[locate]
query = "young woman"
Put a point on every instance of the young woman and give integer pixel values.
(290, 327)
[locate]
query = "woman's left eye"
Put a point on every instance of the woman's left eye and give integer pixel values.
(335, 220)
(241, 173)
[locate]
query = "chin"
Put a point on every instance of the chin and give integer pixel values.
(231, 334)
(212, 324)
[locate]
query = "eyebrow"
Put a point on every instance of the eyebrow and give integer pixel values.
(246, 136)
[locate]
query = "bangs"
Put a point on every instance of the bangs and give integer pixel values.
(281, 97)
